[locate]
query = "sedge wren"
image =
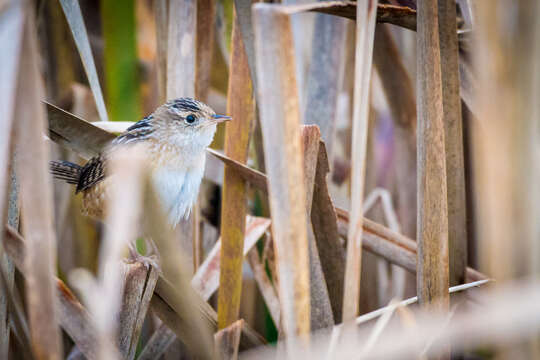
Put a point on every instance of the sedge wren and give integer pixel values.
(177, 135)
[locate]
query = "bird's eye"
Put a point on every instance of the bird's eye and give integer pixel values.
(190, 119)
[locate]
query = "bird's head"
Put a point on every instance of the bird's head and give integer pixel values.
(185, 121)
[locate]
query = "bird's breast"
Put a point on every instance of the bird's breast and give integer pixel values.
(177, 184)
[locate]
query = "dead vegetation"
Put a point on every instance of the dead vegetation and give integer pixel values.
(376, 195)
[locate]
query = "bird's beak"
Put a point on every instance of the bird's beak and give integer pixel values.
(221, 118)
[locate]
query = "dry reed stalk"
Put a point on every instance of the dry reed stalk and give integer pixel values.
(402, 16)
(123, 211)
(394, 247)
(504, 318)
(162, 30)
(206, 14)
(432, 274)
(266, 288)
(250, 338)
(181, 76)
(11, 32)
(321, 309)
(158, 344)
(453, 137)
(280, 120)
(174, 285)
(324, 76)
(241, 106)
(324, 222)
(76, 134)
(196, 236)
(506, 138)
(243, 11)
(16, 318)
(401, 99)
(181, 51)
(140, 282)
(75, 20)
(207, 278)
(74, 318)
(254, 177)
(228, 340)
(468, 12)
(365, 30)
(76, 322)
(36, 200)
(67, 126)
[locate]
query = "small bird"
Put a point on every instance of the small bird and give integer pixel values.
(177, 135)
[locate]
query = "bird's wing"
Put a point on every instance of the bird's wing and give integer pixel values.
(94, 170)
(136, 132)
(91, 173)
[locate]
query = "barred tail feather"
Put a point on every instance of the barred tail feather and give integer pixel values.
(65, 170)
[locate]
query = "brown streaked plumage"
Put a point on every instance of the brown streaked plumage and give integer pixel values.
(177, 135)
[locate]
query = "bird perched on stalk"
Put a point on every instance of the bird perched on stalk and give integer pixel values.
(177, 135)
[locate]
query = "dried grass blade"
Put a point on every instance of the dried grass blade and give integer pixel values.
(72, 316)
(454, 289)
(254, 177)
(160, 341)
(503, 319)
(324, 222)
(123, 211)
(365, 31)
(16, 315)
(280, 120)
(241, 106)
(140, 282)
(321, 310)
(11, 32)
(36, 201)
(381, 323)
(75, 20)
(228, 340)
(206, 279)
(265, 285)
(75, 133)
(250, 338)
(76, 321)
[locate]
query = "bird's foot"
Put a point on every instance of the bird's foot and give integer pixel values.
(150, 260)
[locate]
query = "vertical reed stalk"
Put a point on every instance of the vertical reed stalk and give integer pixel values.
(280, 120)
(453, 136)
(241, 106)
(366, 12)
(432, 273)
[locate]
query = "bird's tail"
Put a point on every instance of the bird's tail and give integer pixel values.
(65, 170)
